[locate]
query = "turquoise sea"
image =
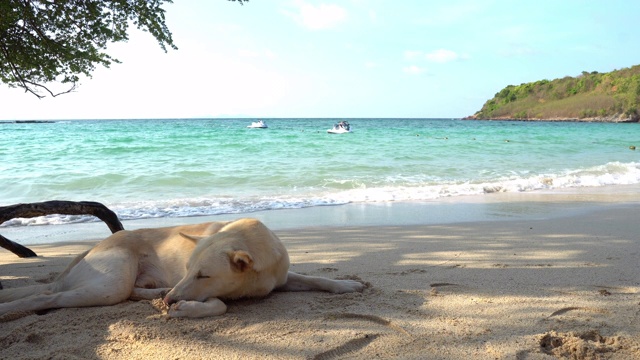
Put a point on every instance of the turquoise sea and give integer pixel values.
(187, 167)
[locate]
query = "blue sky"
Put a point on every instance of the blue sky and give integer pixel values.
(344, 59)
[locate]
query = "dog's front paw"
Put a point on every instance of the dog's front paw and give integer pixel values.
(347, 286)
(180, 309)
(196, 309)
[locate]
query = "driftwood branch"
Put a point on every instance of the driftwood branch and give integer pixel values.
(16, 248)
(54, 207)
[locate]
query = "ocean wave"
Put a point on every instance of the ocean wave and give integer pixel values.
(614, 173)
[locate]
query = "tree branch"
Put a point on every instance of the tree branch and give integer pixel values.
(54, 207)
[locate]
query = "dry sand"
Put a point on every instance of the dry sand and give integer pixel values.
(563, 287)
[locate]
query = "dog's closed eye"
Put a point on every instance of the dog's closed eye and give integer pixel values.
(200, 276)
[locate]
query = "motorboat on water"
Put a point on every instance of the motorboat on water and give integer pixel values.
(340, 128)
(258, 125)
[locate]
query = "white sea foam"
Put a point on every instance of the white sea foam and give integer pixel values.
(614, 173)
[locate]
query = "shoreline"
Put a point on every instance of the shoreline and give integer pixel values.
(462, 209)
(612, 119)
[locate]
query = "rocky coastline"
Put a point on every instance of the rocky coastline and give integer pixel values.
(606, 119)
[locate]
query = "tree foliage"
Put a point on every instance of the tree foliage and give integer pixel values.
(49, 41)
(604, 96)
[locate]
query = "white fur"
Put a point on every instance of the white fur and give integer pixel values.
(191, 266)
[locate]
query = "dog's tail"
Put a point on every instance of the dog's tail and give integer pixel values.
(7, 295)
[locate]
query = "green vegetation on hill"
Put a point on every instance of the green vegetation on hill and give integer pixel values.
(613, 96)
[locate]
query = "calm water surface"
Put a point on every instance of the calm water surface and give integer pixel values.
(169, 168)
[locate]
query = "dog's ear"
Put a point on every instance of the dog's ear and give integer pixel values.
(193, 238)
(241, 260)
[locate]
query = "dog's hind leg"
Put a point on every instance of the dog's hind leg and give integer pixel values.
(79, 297)
(102, 278)
(298, 282)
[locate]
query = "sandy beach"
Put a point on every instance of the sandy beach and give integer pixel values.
(532, 277)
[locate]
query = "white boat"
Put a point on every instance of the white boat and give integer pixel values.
(258, 125)
(340, 128)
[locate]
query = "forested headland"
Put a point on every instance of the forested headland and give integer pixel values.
(590, 96)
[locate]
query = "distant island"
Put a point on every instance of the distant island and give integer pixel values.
(591, 96)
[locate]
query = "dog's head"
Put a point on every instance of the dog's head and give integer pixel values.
(223, 268)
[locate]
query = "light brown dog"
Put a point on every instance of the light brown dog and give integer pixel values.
(191, 266)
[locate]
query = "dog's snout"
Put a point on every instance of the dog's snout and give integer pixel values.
(169, 301)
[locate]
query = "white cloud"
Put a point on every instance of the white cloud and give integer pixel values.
(442, 56)
(323, 16)
(413, 70)
(204, 83)
(248, 53)
(264, 54)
